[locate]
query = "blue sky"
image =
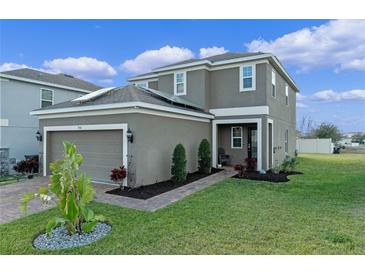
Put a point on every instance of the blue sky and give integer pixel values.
(325, 58)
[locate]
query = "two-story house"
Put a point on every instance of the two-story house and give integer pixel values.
(243, 103)
(22, 91)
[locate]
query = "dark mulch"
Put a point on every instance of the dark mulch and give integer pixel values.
(269, 176)
(146, 192)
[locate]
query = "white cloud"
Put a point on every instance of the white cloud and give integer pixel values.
(83, 67)
(301, 105)
(357, 64)
(338, 43)
(332, 96)
(300, 97)
(150, 59)
(11, 66)
(206, 52)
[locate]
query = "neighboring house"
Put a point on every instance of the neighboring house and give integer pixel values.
(22, 91)
(243, 103)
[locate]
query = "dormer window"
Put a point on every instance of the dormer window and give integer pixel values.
(247, 77)
(180, 83)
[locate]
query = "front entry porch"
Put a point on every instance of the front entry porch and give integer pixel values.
(238, 139)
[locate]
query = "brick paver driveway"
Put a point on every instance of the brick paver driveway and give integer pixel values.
(10, 195)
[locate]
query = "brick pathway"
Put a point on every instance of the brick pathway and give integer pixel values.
(164, 199)
(10, 195)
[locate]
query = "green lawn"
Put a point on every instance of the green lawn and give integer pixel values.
(5, 180)
(319, 212)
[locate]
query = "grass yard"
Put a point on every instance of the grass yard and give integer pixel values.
(4, 180)
(319, 212)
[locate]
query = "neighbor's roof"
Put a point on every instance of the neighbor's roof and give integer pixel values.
(56, 79)
(125, 94)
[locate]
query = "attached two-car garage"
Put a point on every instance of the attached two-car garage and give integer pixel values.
(102, 149)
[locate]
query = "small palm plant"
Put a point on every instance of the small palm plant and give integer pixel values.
(73, 194)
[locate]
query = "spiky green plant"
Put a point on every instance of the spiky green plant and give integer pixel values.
(73, 193)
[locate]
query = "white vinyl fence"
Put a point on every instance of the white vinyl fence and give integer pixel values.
(314, 146)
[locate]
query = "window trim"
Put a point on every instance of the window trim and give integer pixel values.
(273, 83)
(175, 83)
(232, 143)
(41, 99)
(253, 65)
(286, 95)
(286, 141)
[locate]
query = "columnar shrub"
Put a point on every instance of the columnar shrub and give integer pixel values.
(178, 168)
(73, 193)
(204, 157)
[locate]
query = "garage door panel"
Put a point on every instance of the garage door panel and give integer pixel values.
(102, 150)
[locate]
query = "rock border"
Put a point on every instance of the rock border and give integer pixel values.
(60, 239)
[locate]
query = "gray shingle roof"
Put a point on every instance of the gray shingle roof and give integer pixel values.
(213, 59)
(217, 58)
(58, 79)
(124, 95)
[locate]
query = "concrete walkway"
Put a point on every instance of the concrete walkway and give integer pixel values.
(11, 195)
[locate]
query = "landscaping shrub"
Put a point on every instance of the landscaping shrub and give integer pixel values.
(26, 166)
(241, 169)
(178, 169)
(73, 193)
(289, 164)
(204, 156)
(118, 175)
(250, 164)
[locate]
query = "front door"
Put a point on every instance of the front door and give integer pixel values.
(252, 143)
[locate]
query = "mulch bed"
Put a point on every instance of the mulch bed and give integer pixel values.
(269, 176)
(149, 191)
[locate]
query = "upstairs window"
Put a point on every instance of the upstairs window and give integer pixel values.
(286, 140)
(236, 137)
(180, 83)
(286, 95)
(247, 77)
(46, 97)
(273, 84)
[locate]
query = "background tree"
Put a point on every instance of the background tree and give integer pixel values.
(358, 138)
(305, 126)
(178, 168)
(204, 156)
(327, 130)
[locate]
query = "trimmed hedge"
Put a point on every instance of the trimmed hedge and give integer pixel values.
(204, 157)
(178, 168)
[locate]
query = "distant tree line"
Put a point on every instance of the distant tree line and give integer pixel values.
(307, 129)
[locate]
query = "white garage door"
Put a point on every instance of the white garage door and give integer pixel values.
(102, 150)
